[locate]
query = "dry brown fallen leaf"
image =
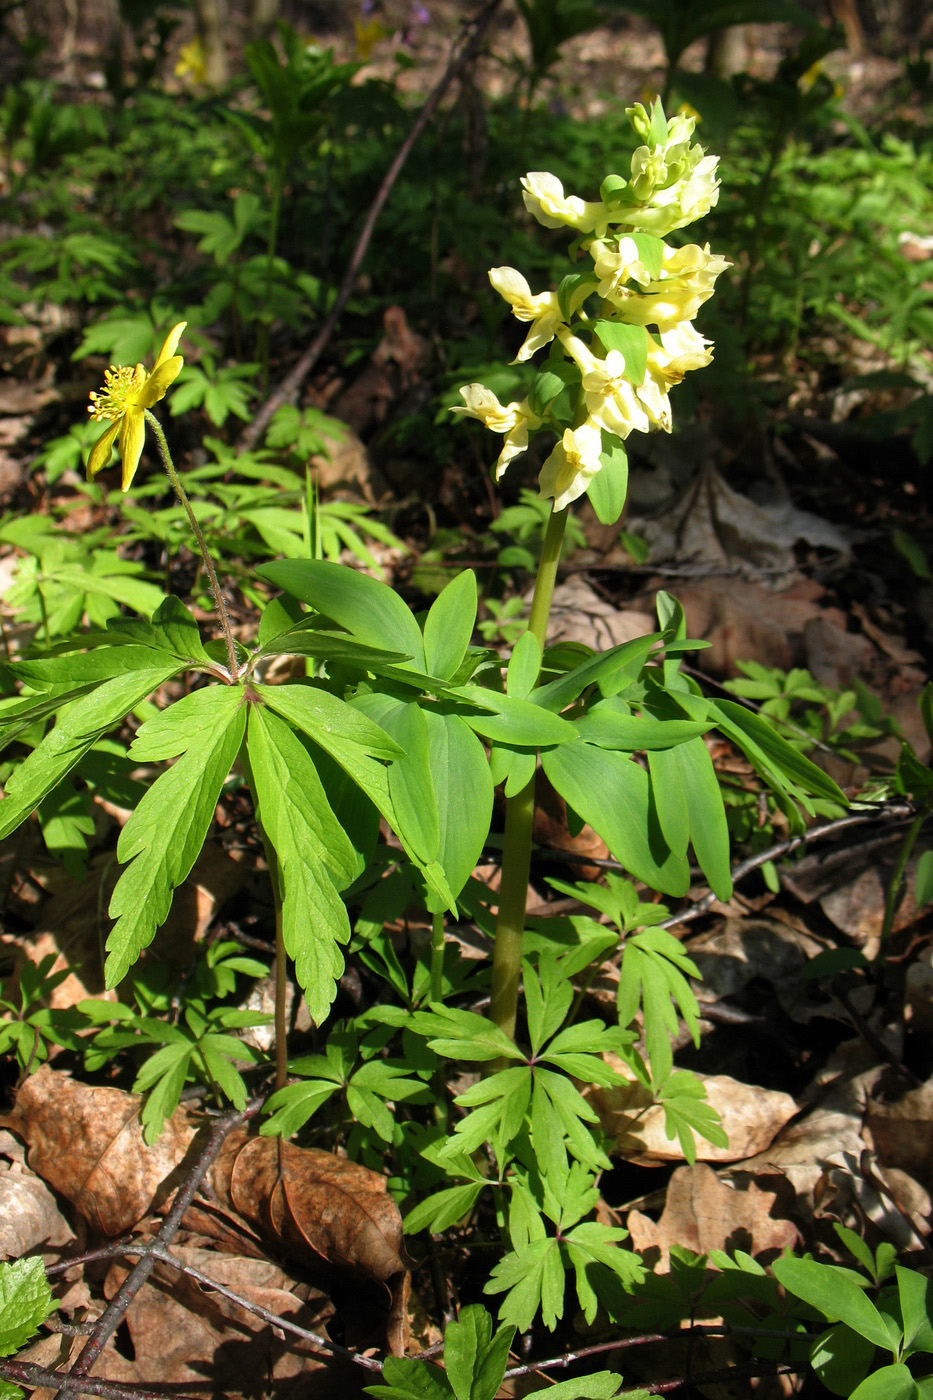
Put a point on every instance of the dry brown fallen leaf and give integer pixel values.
(703, 1213)
(183, 1332)
(29, 1214)
(751, 1116)
(86, 1142)
(901, 1126)
(333, 1218)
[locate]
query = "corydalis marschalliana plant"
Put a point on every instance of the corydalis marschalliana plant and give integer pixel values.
(620, 332)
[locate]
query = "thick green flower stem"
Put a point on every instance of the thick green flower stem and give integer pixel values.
(519, 816)
(169, 465)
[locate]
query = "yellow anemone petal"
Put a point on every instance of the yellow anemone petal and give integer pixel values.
(100, 452)
(171, 344)
(132, 436)
(158, 382)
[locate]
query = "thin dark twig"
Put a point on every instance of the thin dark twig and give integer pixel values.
(112, 1316)
(645, 1339)
(28, 1374)
(727, 1374)
(283, 1323)
(474, 31)
(165, 1256)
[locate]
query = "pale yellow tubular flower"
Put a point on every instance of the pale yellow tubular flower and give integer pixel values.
(572, 465)
(610, 398)
(615, 263)
(126, 395)
(514, 420)
(544, 198)
(688, 279)
(541, 309)
(679, 351)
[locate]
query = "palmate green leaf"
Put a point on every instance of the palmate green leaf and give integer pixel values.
(462, 1035)
(592, 1248)
(499, 1105)
(443, 1209)
(163, 837)
(613, 794)
(653, 968)
(78, 728)
(314, 856)
(293, 1106)
(25, 1302)
(531, 1278)
(687, 1111)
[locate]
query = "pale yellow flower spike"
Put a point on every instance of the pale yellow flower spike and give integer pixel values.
(126, 395)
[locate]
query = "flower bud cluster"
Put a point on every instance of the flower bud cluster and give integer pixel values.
(620, 331)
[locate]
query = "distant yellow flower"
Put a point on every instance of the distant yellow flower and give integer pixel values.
(126, 395)
(192, 62)
(367, 33)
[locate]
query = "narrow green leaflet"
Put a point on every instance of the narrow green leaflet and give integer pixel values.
(604, 669)
(777, 761)
(171, 628)
(612, 793)
(827, 1289)
(25, 1302)
(411, 787)
(654, 976)
(350, 738)
(689, 804)
(371, 611)
(449, 625)
(314, 856)
(82, 667)
(78, 728)
(513, 721)
(464, 794)
(474, 1358)
(161, 840)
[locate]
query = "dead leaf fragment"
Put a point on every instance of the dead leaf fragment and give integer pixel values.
(901, 1127)
(87, 1144)
(703, 1213)
(29, 1214)
(313, 1203)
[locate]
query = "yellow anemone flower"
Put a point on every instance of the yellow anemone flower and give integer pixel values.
(126, 395)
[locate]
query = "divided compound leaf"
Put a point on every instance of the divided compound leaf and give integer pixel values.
(315, 858)
(78, 728)
(163, 837)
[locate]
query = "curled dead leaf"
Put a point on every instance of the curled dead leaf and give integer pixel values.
(86, 1142)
